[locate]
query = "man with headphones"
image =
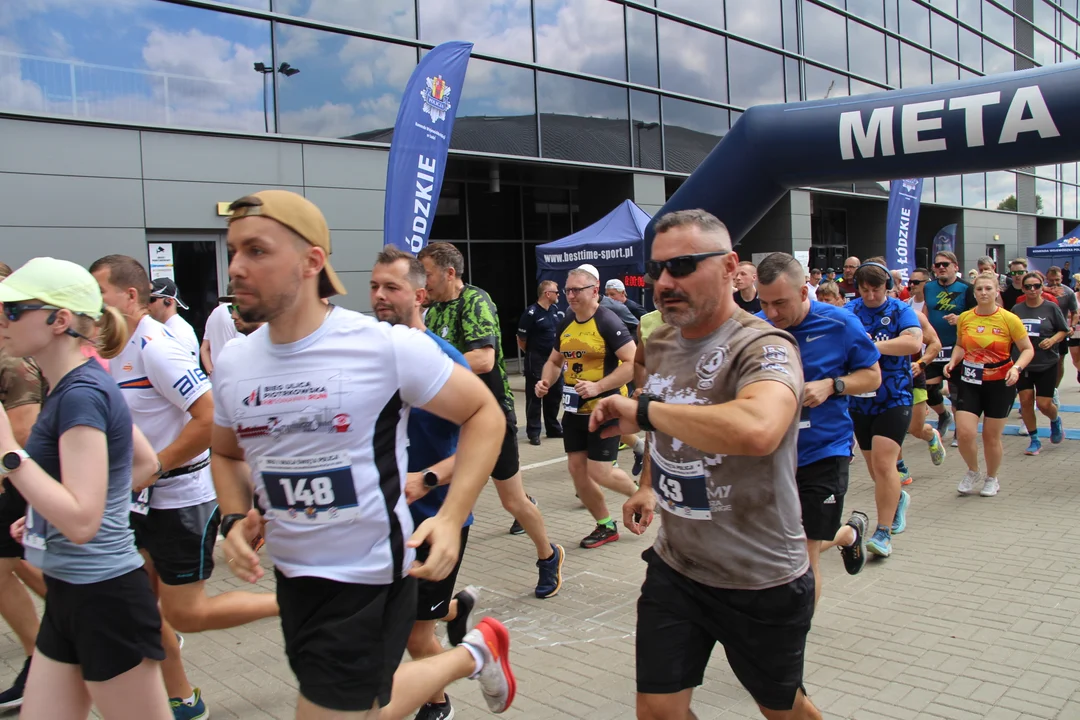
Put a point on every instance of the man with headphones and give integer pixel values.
(164, 297)
(881, 418)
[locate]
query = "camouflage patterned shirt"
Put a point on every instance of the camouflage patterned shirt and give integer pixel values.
(20, 382)
(469, 323)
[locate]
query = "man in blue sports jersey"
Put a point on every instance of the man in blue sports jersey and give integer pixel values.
(397, 297)
(881, 418)
(838, 360)
(945, 298)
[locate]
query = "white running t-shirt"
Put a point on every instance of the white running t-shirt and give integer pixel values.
(160, 380)
(182, 331)
(220, 329)
(323, 425)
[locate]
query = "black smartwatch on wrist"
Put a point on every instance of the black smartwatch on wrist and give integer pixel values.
(228, 521)
(431, 480)
(838, 386)
(643, 410)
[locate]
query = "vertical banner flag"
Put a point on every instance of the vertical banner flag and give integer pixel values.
(945, 240)
(901, 221)
(418, 150)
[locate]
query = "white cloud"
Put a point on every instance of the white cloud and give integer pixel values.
(387, 16)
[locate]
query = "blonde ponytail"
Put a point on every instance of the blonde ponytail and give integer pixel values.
(112, 333)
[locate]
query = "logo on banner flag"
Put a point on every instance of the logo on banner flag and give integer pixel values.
(435, 103)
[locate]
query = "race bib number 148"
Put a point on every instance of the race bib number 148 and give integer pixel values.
(310, 490)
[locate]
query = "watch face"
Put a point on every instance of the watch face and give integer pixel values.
(11, 461)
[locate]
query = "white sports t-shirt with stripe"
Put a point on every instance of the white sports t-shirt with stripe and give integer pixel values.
(160, 380)
(323, 425)
(182, 331)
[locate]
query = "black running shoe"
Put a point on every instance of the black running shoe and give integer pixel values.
(13, 696)
(639, 460)
(944, 420)
(436, 711)
(602, 535)
(855, 554)
(515, 528)
(459, 626)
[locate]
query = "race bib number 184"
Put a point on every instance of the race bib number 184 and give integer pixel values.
(310, 490)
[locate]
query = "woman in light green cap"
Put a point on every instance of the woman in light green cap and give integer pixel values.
(100, 636)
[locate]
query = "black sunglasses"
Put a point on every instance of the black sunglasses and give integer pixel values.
(680, 266)
(942, 264)
(14, 311)
(916, 282)
(1032, 286)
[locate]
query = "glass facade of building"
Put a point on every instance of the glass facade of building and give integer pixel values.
(650, 84)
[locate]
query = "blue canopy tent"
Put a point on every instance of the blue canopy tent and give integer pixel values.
(1066, 249)
(614, 245)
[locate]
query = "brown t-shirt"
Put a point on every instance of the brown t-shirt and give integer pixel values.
(20, 382)
(728, 521)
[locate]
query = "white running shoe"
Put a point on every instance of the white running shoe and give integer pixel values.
(497, 683)
(967, 485)
(990, 487)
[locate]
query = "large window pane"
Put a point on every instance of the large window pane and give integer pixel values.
(892, 60)
(998, 24)
(869, 10)
(1045, 50)
(645, 130)
(821, 84)
(970, 49)
(948, 6)
(757, 76)
(641, 36)
(914, 22)
(1000, 186)
(1046, 191)
(791, 25)
(970, 11)
(824, 33)
(861, 88)
(756, 19)
(347, 86)
(582, 35)
(928, 190)
(394, 17)
(949, 190)
(943, 35)
(692, 61)
(975, 190)
(996, 59)
(1045, 16)
(792, 82)
(690, 133)
(914, 66)
(583, 120)
(140, 62)
(709, 13)
(497, 111)
(494, 216)
(495, 27)
(944, 71)
(868, 47)
(547, 213)
(1068, 202)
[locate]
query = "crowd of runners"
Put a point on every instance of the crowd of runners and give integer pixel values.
(349, 451)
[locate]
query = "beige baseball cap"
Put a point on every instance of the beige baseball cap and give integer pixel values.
(298, 214)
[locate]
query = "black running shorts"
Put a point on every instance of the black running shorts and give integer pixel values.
(822, 486)
(1043, 382)
(763, 633)
(12, 507)
(433, 598)
(578, 438)
(891, 423)
(509, 463)
(106, 628)
(344, 641)
(993, 398)
(180, 541)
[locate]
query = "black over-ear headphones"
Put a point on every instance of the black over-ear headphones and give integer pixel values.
(888, 275)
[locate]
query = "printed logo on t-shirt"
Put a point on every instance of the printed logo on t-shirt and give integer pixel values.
(316, 394)
(309, 420)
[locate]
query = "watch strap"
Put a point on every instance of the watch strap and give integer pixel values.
(644, 400)
(228, 521)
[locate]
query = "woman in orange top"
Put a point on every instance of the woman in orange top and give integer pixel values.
(985, 336)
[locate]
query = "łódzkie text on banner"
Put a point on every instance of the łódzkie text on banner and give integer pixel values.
(900, 225)
(417, 163)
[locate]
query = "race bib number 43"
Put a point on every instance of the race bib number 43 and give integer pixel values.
(310, 490)
(681, 487)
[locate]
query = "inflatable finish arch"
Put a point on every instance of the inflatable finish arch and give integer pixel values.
(1019, 119)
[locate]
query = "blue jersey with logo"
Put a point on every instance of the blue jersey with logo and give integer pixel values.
(832, 343)
(886, 322)
(432, 439)
(942, 300)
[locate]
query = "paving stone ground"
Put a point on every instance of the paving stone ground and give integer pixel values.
(975, 615)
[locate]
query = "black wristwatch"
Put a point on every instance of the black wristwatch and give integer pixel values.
(228, 521)
(11, 461)
(431, 480)
(838, 386)
(643, 410)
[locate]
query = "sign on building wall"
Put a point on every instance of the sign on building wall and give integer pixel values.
(161, 261)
